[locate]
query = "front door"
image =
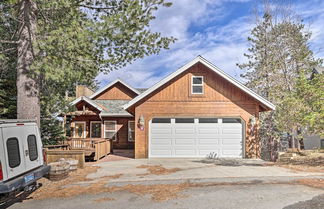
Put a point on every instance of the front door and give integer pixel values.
(79, 131)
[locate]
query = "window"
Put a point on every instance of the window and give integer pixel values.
(208, 120)
(161, 120)
(322, 143)
(79, 131)
(231, 120)
(95, 129)
(185, 120)
(111, 130)
(13, 152)
(32, 147)
(197, 85)
(131, 131)
(68, 129)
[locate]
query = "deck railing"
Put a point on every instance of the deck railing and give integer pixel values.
(94, 147)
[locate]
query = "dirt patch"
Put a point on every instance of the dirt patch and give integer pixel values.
(316, 183)
(158, 193)
(302, 168)
(157, 170)
(104, 199)
(65, 188)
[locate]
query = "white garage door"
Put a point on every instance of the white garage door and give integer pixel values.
(196, 137)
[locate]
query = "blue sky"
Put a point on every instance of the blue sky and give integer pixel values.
(215, 29)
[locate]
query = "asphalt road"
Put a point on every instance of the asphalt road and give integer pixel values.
(265, 196)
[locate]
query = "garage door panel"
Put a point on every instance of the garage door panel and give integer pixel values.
(185, 141)
(231, 131)
(161, 131)
(208, 130)
(230, 142)
(208, 141)
(161, 141)
(181, 139)
(206, 152)
(161, 153)
(184, 131)
(184, 152)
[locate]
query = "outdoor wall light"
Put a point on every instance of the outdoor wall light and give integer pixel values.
(141, 123)
(252, 121)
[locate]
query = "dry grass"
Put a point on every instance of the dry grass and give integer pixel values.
(303, 168)
(64, 188)
(161, 192)
(104, 199)
(157, 170)
(316, 183)
(157, 192)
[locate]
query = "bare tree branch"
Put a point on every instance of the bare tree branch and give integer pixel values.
(8, 42)
(7, 50)
(96, 8)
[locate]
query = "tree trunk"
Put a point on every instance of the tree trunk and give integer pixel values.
(28, 105)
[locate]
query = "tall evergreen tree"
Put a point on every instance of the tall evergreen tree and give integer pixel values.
(8, 58)
(60, 43)
(279, 54)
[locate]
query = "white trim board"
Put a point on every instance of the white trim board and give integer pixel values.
(83, 98)
(213, 68)
(129, 130)
(111, 84)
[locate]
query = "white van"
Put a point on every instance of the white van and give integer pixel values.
(21, 156)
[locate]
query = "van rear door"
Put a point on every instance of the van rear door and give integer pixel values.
(32, 146)
(14, 151)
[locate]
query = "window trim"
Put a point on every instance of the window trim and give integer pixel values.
(236, 120)
(29, 147)
(202, 84)
(113, 121)
(14, 138)
(202, 119)
(130, 131)
(175, 121)
(162, 119)
(84, 131)
(95, 121)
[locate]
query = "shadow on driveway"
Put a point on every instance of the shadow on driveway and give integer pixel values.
(20, 197)
(234, 162)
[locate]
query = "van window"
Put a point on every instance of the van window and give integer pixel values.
(32, 147)
(13, 152)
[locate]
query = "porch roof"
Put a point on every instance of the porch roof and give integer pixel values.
(113, 108)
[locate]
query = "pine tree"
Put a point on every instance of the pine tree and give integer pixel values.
(62, 42)
(278, 56)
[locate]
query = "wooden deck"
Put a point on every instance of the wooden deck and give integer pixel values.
(94, 148)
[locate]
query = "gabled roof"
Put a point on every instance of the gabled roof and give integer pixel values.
(111, 84)
(106, 107)
(89, 101)
(213, 68)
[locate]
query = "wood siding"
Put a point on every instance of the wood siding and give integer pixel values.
(116, 92)
(122, 129)
(220, 99)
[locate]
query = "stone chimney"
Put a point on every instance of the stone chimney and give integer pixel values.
(82, 90)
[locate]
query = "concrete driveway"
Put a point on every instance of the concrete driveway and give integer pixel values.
(139, 170)
(184, 183)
